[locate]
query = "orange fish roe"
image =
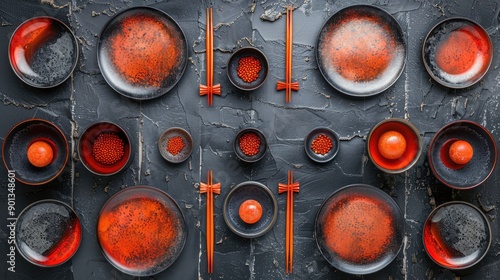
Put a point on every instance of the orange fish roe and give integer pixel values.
(249, 68)
(249, 144)
(175, 145)
(322, 144)
(108, 148)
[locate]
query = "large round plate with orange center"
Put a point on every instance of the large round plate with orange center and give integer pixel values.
(359, 229)
(141, 230)
(142, 53)
(361, 50)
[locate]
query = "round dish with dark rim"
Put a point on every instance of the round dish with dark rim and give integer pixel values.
(142, 53)
(43, 52)
(318, 157)
(241, 193)
(17, 143)
(457, 52)
(262, 149)
(359, 229)
(141, 230)
(184, 153)
(361, 50)
(233, 64)
(477, 170)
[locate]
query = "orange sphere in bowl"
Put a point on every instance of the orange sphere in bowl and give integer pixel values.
(40, 153)
(250, 211)
(392, 144)
(461, 152)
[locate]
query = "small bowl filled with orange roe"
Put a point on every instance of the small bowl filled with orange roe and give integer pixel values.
(250, 145)
(175, 144)
(247, 68)
(105, 148)
(321, 144)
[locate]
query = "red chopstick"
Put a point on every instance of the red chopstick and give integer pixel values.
(209, 188)
(210, 89)
(289, 188)
(288, 85)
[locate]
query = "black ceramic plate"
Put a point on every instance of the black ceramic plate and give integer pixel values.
(142, 53)
(245, 191)
(15, 147)
(359, 229)
(163, 144)
(141, 230)
(361, 50)
(319, 157)
(482, 163)
(232, 68)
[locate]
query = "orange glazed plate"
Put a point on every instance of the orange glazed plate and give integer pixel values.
(142, 53)
(457, 52)
(361, 50)
(141, 230)
(359, 229)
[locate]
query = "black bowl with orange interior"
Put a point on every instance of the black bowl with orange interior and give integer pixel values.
(39, 166)
(105, 148)
(394, 145)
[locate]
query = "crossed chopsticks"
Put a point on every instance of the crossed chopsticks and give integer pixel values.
(289, 188)
(210, 89)
(288, 85)
(209, 188)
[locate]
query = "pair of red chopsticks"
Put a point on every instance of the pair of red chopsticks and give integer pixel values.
(289, 188)
(288, 85)
(209, 188)
(210, 89)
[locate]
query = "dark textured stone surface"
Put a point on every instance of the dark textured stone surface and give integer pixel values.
(86, 98)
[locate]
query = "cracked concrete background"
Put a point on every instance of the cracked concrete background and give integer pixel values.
(86, 98)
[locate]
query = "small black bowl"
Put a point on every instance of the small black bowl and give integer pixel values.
(480, 167)
(262, 148)
(232, 68)
(319, 157)
(239, 194)
(163, 144)
(17, 142)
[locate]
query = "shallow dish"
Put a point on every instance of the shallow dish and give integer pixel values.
(361, 50)
(172, 133)
(233, 64)
(48, 233)
(262, 149)
(141, 230)
(318, 157)
(43, 52)
(87, 148)
(142, 53)
(359, 229)
(19, 139)
(457, 235)
(245, 191)
(457, 52)
(480, 167)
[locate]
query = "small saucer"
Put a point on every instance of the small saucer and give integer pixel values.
(186, 139)
(239, 194)
(313, 135)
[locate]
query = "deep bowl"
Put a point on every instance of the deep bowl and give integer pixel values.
(475, 172)
(181, 155)
(410, 155)
(262, 147)
(241, 193)
(17, 142)
(43, 52)
(233, 64)
(318, 157)
(86, 146)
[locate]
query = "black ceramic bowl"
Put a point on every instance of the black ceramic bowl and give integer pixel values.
(262, 148)
(317, 157)
(86, 144)
(186, 139)
(481, 165)
(232, 68)
(241, 193)
(15, 147)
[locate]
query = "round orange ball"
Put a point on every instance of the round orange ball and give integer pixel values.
(461, 152)
(392, 144)
(40, 154)
(250, 211)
